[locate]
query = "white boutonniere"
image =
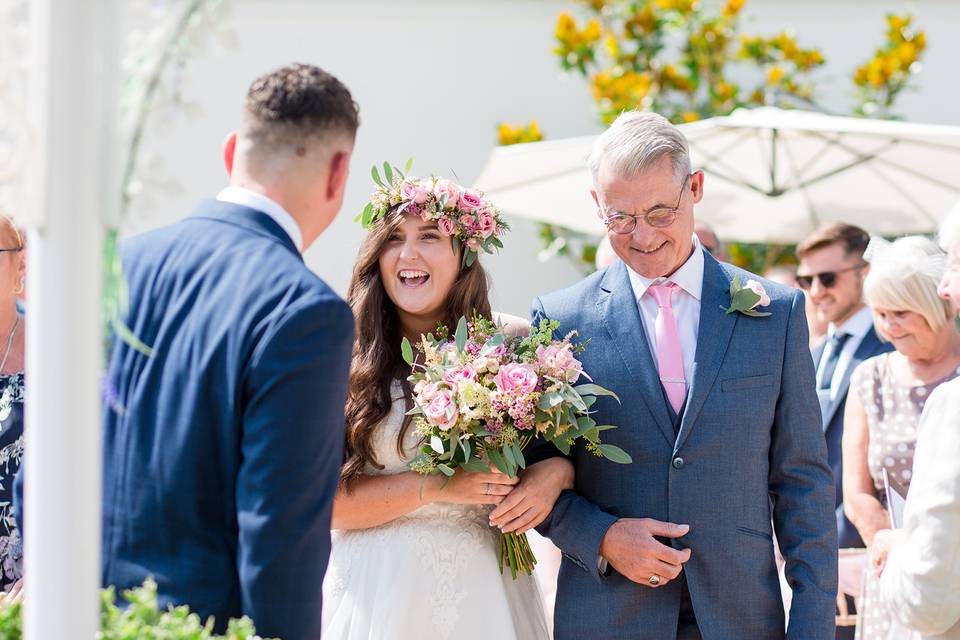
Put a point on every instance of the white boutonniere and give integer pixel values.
(747, 298)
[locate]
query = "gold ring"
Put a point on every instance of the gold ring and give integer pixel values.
(654, 580)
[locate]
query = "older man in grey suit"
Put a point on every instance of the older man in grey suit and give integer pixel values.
(719, 411)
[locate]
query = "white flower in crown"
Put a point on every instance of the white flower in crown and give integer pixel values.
(747, 298)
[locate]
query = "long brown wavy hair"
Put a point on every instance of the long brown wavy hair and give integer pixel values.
(377, 361)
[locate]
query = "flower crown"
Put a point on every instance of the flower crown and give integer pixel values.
(463, 214)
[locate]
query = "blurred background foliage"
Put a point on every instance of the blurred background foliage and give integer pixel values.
(682, 60)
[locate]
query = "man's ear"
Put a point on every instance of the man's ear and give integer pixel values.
(229, 148)
(339, 168)
(696, 185)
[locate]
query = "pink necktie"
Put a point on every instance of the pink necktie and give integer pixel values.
(669, 354)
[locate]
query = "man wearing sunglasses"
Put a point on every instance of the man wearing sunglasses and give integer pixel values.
(831, 272)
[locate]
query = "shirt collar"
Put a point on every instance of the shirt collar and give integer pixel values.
(247, 198)
(857, 325)
(688, 277)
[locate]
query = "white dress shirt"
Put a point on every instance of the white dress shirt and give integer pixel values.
(246, 198)
(921, 580)
(857, 325)
(685, 304)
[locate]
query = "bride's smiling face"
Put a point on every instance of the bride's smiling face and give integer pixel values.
(418, 268)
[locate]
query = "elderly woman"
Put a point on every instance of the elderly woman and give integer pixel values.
(889, 391)
(920, 563)
(12, 331)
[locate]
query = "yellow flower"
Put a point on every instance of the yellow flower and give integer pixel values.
(860, 76)
(775, 74)
(875, 73)
(566, 26)
(920, 40)
(724, 91)
(690, 116)
(907, 52)
(642, 22)
(592, 32)
(897, 23)
(612, 45)
(758, 97)
(732, 8)
(596, 5)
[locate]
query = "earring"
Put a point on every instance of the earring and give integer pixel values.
(21, 286)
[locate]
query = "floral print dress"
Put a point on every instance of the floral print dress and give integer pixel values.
(11, 455)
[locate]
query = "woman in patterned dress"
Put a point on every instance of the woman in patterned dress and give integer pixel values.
(12, 332)
(889, 393)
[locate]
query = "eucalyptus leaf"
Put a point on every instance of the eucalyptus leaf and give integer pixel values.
(436, 444)
(475, 465)
(550, 400)
(745, 299)
(614, 453)
(445, 469)
(461, 334)
(469, 258)
(388, 172)
(407, 351)
(595, 390)
(409, 165)
(498, 461)
(518, 456)
(562, 444)
(376, 176)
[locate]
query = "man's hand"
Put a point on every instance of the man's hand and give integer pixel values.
(629, 546)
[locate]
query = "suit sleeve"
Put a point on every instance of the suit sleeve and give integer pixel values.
(575, 524)
(922, 576)
(801, 485)
(291, 444)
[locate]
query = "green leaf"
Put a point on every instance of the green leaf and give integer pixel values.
(447, 471)
(465, 444)
(388, 172)
(407, 351)
(549, 400)
(475, 465)
(456, 245)
(518, 456)
(376, 176)
(407, 167)
(366, 216)
(461, 334)
(745, 299)
(614, 453)
(469, 258)
(595, 390)
(436, 444)
(495, 341)
(498, 461)
(128, 336)
(562, 444)
(496, 242)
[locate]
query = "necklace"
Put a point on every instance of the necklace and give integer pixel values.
(6, 353)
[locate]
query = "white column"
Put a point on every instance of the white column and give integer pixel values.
(72, 108)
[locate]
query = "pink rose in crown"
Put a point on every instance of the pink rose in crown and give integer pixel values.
(758, 289)
(516, 378)
(487, 224)
(454, 376)
(446, 188)
(558, 362)
(473, 244)
(447, 226)
(468, 221)
(413, 191)
(470, 200)
(442, 411)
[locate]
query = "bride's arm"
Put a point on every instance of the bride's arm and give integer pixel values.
(370, 501)
(532, 500)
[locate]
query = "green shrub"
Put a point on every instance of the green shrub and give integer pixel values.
(142, 619)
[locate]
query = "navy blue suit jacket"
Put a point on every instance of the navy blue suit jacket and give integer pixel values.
(749, 451)
(223, 448)
(870, 346)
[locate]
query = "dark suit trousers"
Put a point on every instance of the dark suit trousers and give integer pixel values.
(687, 628)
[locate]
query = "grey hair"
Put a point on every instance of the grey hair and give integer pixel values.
(635, 142)
(950, 231)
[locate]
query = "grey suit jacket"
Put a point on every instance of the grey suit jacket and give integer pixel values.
(750, 445)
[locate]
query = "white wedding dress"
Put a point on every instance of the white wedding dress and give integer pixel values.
(430, 574)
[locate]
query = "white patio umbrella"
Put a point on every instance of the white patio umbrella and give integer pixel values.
(772, 175)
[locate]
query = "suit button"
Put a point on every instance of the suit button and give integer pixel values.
(678, 463)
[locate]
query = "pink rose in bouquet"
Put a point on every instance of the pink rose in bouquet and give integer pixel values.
(516, 378)
(441, 410)
(454, 376)
(558, 361)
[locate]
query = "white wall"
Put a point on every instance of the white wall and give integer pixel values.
(433, 77)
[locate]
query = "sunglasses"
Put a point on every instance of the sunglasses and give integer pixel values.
(827, 278)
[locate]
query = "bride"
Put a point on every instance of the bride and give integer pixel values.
(413, 557)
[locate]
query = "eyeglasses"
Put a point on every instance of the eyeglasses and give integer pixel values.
(660, 217)
(17, 250)
(827, 278)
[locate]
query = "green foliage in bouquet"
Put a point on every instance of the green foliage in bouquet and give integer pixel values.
(483, 396)
(142, 619)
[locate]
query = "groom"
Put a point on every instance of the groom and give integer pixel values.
(223, 446)
(718, 411)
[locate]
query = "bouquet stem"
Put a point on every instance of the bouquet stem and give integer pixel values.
(515, 552)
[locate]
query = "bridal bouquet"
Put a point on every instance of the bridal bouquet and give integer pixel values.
(481, 397)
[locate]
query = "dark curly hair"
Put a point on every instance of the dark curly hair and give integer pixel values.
(297, 101)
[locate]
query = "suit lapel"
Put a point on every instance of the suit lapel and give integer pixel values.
(716, 327)
(620, 315)
(868, 347)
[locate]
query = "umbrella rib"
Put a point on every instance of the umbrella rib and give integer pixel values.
(876, 157)
(906, 196)
(729, 170)
(811, 208)
(827, 143)
(860, 159)
(534, 180)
